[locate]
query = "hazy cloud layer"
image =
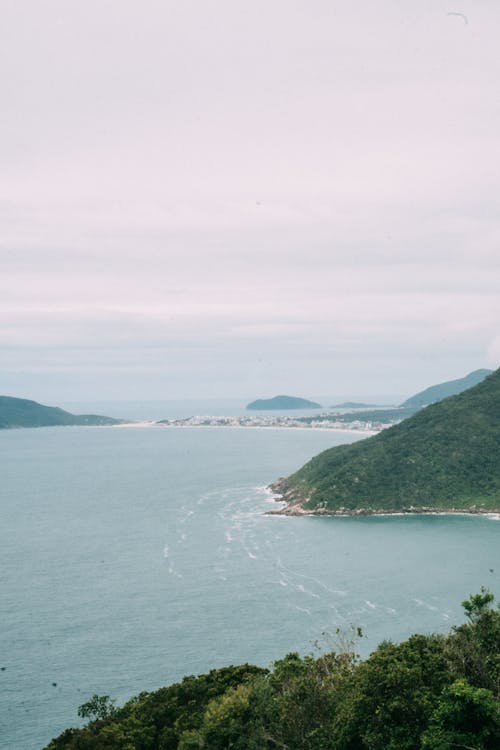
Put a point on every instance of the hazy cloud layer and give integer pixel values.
(232, 198)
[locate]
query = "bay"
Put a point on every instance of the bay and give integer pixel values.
(133, 556)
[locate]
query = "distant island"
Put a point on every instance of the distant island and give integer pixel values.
(436, 393)
(21, 412)
(446, 457)
(283, 402)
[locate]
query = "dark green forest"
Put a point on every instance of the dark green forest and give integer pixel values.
(431, 692)
(446, 456)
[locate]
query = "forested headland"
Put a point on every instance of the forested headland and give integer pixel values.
(444, 457)
(21, 412)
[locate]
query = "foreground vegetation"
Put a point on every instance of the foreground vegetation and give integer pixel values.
(446, 456)
(431, 692)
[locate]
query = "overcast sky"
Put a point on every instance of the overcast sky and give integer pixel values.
(235, 198)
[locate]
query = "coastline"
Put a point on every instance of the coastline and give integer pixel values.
(219, 423)
(294, 507)
(366, 432)
(187, 424)
(297, 510)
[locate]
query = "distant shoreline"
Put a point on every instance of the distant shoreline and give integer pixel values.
(311, 428)
(351, 430)
(179, 424)
(272, 422)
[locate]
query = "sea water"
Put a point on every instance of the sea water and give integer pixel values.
(133, 556)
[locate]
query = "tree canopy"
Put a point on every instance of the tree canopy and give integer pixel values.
(431, 692)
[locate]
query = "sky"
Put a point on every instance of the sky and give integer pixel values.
(226, 198)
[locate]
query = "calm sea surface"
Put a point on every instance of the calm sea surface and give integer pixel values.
(133, 556)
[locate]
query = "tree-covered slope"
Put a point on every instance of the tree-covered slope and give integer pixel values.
(431, 692)
(446, 456)
(20, 412)
(451, 388)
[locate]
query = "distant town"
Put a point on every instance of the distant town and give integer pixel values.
(318, 422)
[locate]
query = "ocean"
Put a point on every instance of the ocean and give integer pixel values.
(131, 556)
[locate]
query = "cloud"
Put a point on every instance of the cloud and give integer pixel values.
(271, 183)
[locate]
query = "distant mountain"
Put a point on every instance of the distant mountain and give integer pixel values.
(20, 412)
(353, 405)
(283, 402)
(451, 388)
(446, 456)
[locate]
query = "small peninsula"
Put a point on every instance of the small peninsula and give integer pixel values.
(21, 412)
(444, 458)
(283, 402)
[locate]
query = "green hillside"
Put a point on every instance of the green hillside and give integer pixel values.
(451, 388)
(20, 412)
(446, 456)
(431, 692)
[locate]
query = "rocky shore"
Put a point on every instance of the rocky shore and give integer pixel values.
(295, 506)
